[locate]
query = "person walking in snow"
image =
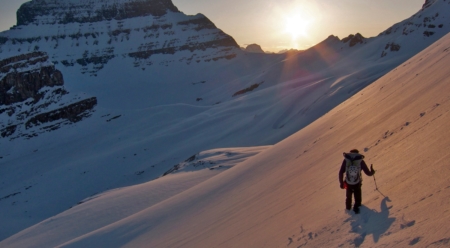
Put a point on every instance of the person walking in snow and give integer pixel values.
(352, 166)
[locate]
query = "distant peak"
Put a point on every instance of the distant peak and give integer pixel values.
(354, 39)
(332, 38)
(254, 48)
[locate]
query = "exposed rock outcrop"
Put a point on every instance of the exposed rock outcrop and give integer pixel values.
(248, 89)
(427, 3)
(74, 113)
(393, 47)
(32, 95)
(354, 39)
(22, 77)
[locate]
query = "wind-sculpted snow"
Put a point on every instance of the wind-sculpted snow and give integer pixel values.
(218, 159)
(131, 200)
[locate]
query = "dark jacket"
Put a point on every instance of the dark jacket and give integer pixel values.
(344, 166)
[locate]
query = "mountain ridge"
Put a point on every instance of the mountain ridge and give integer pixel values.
(156, 110)
(262, 201)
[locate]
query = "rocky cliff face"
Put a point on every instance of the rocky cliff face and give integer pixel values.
(32, 97)
(91, 33)
(23, 76)
(83, 36)
(63, 12)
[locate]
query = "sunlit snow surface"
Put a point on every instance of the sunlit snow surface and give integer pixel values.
(98, 183)
(289, 194)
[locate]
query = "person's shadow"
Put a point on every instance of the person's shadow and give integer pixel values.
(370, 221)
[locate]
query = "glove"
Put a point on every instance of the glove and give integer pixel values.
(342, 185)
(372, 170)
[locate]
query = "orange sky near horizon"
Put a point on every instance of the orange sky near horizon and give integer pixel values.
(282, 24)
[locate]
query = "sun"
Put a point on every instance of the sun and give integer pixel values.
(297, 25)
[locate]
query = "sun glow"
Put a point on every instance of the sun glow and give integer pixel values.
(297, 22)
(297, 25)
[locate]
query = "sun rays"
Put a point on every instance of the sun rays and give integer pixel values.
(295, 21)
(297, 25)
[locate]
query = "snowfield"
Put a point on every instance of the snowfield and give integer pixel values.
(217, 147)
(288, 195)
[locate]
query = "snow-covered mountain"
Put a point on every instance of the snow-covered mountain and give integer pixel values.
(166, 86)
(288, 195)
(91, 33)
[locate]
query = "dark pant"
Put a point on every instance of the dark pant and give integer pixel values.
(353, 190)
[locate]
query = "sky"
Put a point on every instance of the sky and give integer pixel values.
(282, 24)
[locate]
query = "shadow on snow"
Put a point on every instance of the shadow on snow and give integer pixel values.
(372, 222)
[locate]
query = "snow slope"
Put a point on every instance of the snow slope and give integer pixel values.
(289, 195)
(154, 113)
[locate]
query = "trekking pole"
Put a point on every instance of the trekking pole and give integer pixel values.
(376, 186)
(375, 180)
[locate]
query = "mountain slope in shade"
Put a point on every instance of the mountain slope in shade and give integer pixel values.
(159, 101)
(289, 195)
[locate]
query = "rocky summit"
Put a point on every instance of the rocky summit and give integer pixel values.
(83, 37)
(89, 34)
(63, 12)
